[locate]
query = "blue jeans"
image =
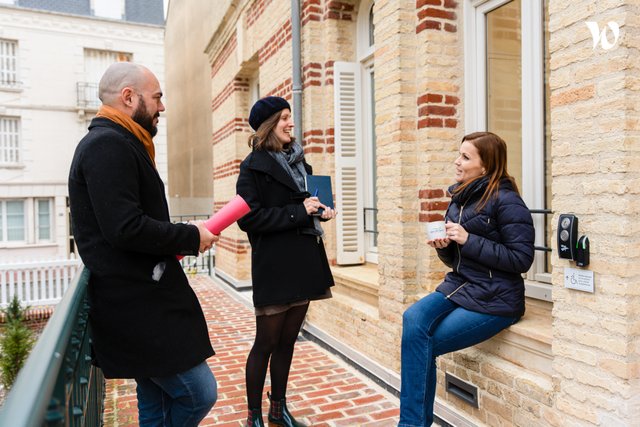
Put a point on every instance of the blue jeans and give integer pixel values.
(431, 327)
(180, 400)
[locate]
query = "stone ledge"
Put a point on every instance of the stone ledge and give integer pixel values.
(358, 283)
(528, 342)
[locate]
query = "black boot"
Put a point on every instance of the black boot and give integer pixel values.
(254, 419)
(279, 415)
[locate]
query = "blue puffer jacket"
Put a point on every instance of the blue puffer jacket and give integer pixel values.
(487, 269)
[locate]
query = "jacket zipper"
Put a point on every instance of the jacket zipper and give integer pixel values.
(457, 245)
(457, 289)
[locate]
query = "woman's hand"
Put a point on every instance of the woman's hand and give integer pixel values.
(328, 213)
(312, 204)
(456, 233)
(439, 243)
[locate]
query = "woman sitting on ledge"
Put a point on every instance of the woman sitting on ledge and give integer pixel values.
(488, 244)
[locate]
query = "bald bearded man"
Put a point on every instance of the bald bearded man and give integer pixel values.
(146, 320)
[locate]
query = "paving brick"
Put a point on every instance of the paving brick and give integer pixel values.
(323, 390)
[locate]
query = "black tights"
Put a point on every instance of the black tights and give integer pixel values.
(275, 338)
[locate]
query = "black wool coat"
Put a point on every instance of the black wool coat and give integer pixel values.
(286, 265)
(487, 269)
(145, 318)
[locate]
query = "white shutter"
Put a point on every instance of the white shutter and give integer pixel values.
(97, 61)
(348, 157)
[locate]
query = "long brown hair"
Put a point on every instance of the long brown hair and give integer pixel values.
(264, 138)
(493, 154)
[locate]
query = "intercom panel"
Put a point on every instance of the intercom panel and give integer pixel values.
(567, 236)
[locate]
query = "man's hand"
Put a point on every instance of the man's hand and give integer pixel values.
(207, 239)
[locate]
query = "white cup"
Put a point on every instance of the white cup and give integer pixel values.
(436, 230)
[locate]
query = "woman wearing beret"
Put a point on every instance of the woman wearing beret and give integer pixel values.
(289, 265)
(488, 244)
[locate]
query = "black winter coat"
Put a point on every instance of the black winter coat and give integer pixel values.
(487, 269)
(286, 265)
(142, 327)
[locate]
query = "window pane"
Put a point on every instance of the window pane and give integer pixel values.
(8, 63)
(9, 140)
(15, 221)
(373, 163)
(44, 220)
(547, 141)
(504, 81)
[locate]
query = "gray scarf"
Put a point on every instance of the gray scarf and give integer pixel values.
(291, 160)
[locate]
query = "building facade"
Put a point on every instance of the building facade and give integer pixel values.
(52, 55)
(389, 88)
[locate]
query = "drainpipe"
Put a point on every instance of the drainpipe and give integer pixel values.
(297, 69)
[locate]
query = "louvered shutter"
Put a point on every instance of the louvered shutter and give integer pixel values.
(348, 157)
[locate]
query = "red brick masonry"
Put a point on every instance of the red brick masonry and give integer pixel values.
(323, 390)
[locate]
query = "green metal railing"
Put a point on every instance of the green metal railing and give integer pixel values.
(58, 386)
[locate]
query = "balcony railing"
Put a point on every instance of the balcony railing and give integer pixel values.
(88, 96)
(57, 385)
(9, 83)
(36, 282)
(201, 264)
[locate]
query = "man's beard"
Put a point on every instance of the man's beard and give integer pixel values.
(142, 117)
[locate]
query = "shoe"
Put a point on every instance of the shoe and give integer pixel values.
(279, 415)
(254, 419)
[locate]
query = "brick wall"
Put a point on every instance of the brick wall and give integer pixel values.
(419, 71)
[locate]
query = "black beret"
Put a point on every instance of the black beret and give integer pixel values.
(265, 108)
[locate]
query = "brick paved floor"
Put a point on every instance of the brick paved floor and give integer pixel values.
(323, 390)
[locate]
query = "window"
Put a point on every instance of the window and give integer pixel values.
(43, 220)
(8, 64)
(355, 148)
(366, 41)
(503, 49)
(95, 63)
(254, 89)
(9, 141)
(12, 221)
(108, 8)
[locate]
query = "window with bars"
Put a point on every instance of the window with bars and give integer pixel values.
(8, 63)
(9, 141)
(95, 63)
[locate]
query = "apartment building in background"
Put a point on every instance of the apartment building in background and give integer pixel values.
(389, 88)
(52, 55)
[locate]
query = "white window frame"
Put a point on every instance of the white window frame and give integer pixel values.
(10, 156)
(532, 54)
(9, 65)
(50, 225)
(367, 67)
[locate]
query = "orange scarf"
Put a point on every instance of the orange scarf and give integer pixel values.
(127, 122)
